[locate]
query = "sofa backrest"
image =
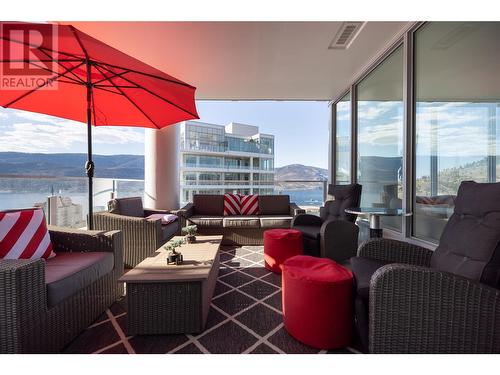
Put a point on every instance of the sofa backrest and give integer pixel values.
(208, 204)
(274, 205)
(470, 242)
(344, 196)
(126, 206)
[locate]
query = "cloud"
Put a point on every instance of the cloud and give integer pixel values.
(42, 133)
(370, 110)
(382, 134)
(459, 129)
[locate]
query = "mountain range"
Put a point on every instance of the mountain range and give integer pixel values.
(295, 172)
(71, 165)
(115, 166)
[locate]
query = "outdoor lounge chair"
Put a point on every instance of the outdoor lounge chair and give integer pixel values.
(412, 300)
(141, 236)
(44, 304)
(334, 233)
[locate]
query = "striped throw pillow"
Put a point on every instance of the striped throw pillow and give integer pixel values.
(24, 235)
(231, 204)
(249, 204)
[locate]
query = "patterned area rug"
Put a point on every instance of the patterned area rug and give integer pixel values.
(245, 317)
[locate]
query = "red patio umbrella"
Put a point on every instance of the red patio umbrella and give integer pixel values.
(59, 70)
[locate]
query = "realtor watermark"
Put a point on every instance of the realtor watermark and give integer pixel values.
(28, 56)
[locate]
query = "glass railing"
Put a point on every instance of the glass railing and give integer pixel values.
(307, 194)
(64, 199)
(219, 148)
(226, 166)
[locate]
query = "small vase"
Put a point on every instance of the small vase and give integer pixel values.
(190, 238)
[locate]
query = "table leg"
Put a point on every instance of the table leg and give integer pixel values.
(375, 227)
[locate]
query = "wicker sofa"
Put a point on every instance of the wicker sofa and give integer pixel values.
(141, 236)
(44, 304)
(207, 213)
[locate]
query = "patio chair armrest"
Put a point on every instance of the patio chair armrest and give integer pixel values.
(296, 210)
(338, 240)
(395, 251)
(307, 219)
(151, 211)
(23, 300)
(76, 240)
(184, 213)
(417, 309)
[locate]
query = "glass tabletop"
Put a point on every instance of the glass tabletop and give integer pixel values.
(381, 211)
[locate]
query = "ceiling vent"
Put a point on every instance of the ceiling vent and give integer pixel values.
(345, 36)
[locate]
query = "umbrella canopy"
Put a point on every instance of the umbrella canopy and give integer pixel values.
(61, 71)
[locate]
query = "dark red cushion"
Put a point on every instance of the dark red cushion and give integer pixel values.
(317, 301)
(279, 245)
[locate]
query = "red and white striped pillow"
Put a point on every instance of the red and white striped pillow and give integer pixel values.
(24, 235)
(249, 204)
(232, 204)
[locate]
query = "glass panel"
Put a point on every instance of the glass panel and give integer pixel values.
(343, 141)
(380, 136)
(457, 82)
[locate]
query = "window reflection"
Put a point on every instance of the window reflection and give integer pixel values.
(343, 141)
(380, 134)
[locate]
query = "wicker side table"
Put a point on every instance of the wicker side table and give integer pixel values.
(170, 299)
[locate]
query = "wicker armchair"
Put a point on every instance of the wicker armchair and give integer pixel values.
(141, 237)
(412, 300)
(27, 323)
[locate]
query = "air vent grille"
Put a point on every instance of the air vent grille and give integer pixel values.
(345, 36)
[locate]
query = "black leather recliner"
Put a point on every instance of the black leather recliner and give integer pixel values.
(334, 233)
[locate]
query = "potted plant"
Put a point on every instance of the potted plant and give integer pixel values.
(173, 255)
(190, 232)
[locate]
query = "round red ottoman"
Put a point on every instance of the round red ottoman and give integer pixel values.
(279, 245)
(317, 301)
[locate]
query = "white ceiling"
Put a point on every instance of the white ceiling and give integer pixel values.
(250, 60)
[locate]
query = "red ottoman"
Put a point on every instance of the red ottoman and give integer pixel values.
(317, 301)
(279, 245)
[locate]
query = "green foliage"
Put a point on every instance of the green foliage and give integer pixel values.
(172, 245)
(190, 230)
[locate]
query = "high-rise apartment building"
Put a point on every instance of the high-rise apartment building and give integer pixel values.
(218, 159)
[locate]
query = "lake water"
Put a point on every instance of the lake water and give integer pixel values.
(19, 200)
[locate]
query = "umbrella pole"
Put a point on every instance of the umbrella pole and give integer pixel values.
(89, 165)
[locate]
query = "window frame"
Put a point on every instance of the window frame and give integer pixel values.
(406, 40)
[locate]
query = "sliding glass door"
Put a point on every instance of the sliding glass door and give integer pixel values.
(457, 88)
(453, 124)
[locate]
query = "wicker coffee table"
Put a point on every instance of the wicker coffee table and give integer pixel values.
(170, 299)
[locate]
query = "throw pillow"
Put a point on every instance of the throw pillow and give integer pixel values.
(24, 235)
(249, 204)
(231, 204)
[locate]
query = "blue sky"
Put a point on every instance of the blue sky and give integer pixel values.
(300, 130)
